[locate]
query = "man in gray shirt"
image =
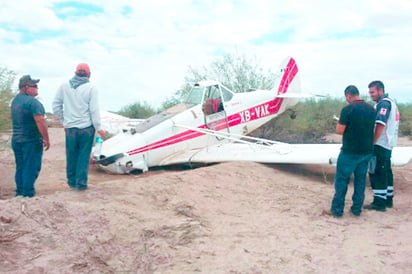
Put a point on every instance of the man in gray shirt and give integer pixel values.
(76, 107)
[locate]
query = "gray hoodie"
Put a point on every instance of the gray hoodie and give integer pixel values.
(76, 104)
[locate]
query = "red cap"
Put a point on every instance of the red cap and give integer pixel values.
(83, 68)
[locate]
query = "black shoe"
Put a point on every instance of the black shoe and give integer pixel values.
(78, 188)
(373, 206)
(389, 202)
(355, 213)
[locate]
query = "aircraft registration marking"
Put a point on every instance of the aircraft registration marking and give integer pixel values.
(254, 113)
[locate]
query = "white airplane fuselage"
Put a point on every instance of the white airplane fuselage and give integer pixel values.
(160, 137)
(151, 147)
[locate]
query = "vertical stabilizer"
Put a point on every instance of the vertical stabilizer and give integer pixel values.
(289, 81)
(287, 89)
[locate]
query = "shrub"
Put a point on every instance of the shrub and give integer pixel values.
(315, 120)
(6, 95)
(405, 128)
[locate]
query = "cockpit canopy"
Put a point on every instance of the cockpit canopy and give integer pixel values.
(211, 94)
(208, 89)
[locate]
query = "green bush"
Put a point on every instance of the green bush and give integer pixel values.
(314, 120)
(6, 95)
(137, 110)
(405, 128)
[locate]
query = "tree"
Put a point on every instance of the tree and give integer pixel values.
(6, 94)
(237, 72)
(138, 110)
(170, 102)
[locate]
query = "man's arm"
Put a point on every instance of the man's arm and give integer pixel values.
(102, 134)
(95, 112)
(57, 106)
(378, 132)
(343, 120)
(383, 110)
(42, 126)
(340, 128)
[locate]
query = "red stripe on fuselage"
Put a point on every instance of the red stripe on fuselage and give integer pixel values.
(183, 136)
(253, 113)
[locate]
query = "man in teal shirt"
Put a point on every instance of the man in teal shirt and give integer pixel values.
(30, 135)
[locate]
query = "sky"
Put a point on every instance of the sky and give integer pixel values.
(140, 50)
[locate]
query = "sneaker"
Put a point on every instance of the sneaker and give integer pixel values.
(355, 213)
(373, 206)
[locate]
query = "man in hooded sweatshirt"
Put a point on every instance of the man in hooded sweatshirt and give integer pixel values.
(76, 107)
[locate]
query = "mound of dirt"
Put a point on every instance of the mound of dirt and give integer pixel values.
(228, 218)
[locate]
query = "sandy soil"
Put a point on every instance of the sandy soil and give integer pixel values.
(228, 218)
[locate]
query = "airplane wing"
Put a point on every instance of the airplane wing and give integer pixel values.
(299, 95)
(267, 151)
(277, 153)
(114, 123)
(322, 154)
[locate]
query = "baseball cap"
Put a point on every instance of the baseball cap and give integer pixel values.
(26, 80)
(82, 68)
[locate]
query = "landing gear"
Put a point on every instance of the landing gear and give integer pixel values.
(293, 115)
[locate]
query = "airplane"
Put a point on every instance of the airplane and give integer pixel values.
(114, 123)
(212, 125)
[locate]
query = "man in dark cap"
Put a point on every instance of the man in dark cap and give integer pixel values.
(76, 107)
(30, 135)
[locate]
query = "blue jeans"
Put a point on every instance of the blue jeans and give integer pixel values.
(28, 156)
(79, 144)
(347, 165)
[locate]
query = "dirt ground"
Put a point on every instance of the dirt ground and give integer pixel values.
(228, 218)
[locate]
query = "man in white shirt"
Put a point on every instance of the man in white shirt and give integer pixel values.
(385, 138)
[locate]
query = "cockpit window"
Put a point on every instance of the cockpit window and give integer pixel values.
(212, 102)
(195, 96)
(213, 92)
(227, 95)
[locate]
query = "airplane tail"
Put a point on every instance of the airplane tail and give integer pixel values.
(288, 85)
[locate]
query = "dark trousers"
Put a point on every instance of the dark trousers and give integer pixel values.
(381, 176)
(347, 165)
(28, 156)
(79, 144)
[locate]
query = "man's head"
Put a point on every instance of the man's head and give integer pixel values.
(376, 90)
(26, 80)
(351, 93)
(28, 85)
(83, 70)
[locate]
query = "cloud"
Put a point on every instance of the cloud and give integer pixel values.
(140, 50)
